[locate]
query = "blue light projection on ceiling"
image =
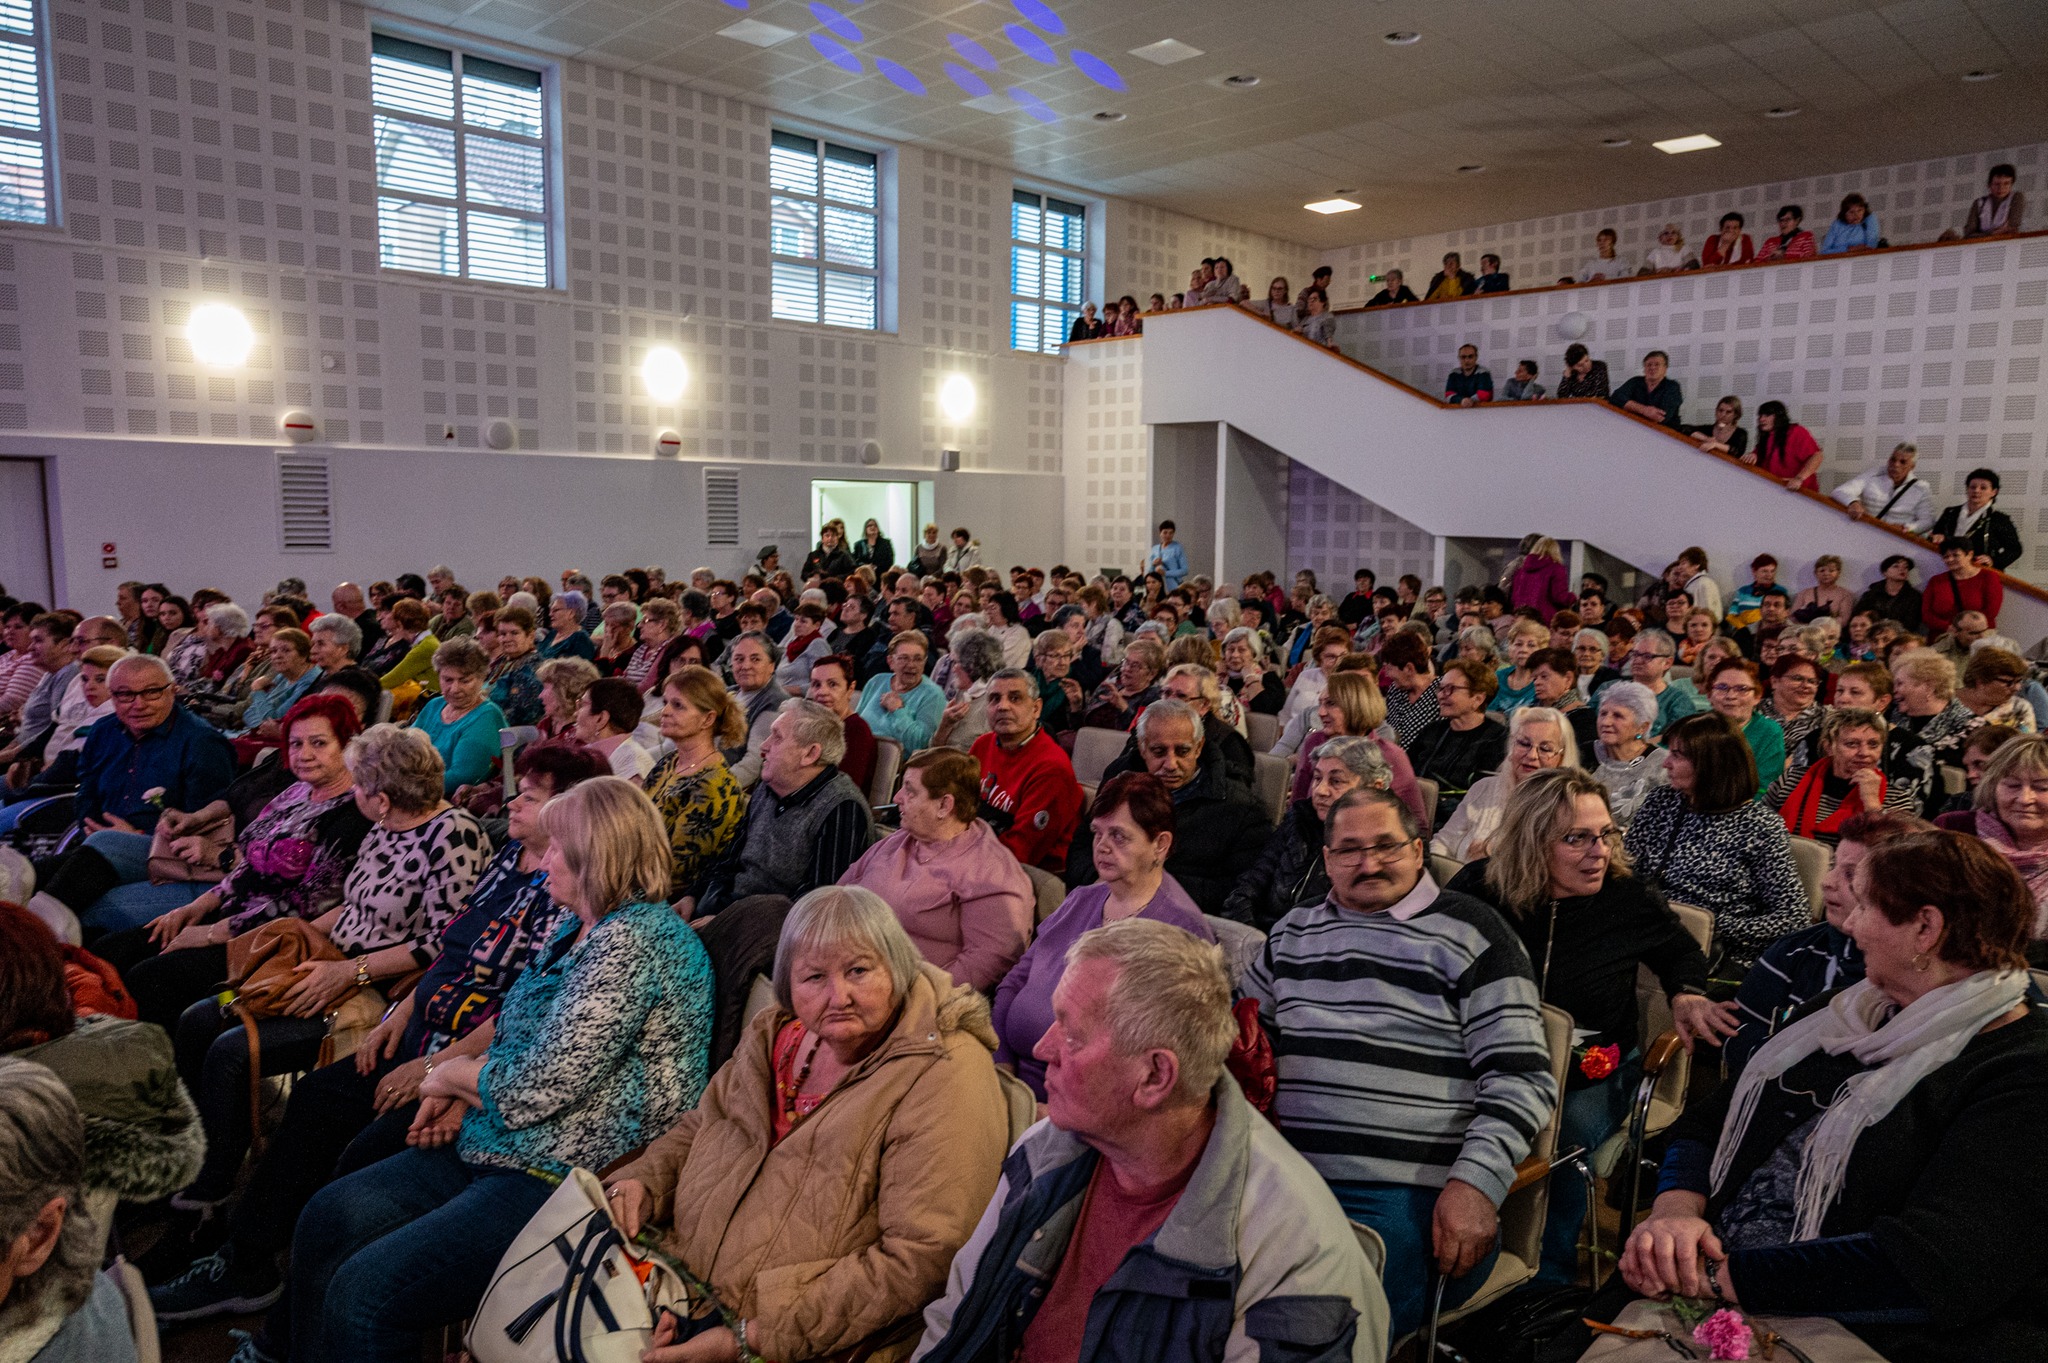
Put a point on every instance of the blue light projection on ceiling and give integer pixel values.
(967, 74)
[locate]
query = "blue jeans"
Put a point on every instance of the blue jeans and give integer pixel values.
(399, 1248)
(1404, 1216)
(1590, 1116)
(134, 901)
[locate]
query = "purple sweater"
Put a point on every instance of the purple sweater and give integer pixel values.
(1543, 583)
(1023, 1008)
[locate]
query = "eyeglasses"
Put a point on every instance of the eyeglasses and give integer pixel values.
(1580, 838)
(130, 697)
(1800, 679)
(1731, 689)
(1646, 657)
(1540, 749)
(1352, 853)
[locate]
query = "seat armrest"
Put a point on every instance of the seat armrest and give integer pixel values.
(1658, 1057)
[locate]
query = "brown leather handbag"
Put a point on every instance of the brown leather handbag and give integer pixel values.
(199, 853)
(262, 968)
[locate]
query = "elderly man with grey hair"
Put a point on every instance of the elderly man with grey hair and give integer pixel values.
(55, 1307)
(1622, 756)
(1199, 689)
(1154, 1190)
(1219, 824)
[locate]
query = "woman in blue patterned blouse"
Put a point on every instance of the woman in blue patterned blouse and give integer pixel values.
(601, 1045)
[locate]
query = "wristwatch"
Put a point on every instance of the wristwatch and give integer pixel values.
(362, 972)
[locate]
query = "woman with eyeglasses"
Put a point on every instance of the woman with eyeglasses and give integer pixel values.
(1709, 842)
(1559, 875)
(1794, 701)
(1991, 688)
(1539, 739)
(1733, 691)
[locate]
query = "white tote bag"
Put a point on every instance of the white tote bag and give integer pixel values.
(567, 1291)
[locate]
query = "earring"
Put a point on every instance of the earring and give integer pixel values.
(1922, 962)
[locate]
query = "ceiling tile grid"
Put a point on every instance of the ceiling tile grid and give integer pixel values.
(1913, 202)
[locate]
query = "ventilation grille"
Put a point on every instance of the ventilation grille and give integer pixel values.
(305, 504)
(722, 506)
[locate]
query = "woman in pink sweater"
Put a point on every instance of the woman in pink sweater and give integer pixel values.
(956, 889)
(1541, 580)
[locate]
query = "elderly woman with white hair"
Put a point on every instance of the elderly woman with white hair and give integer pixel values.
(1622, 757)
(55, 1304)
(1290, 870)
(225, 627)
(1258, 688)
(600, 1046)
(893, 1171)
(1539, 739)
(977, 655)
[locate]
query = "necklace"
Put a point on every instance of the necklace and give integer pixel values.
(695, 767)
(789, 1090)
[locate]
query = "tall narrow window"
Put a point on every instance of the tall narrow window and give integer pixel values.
(824, 229)
(1048, 264)
(24, 131)
(462, 182)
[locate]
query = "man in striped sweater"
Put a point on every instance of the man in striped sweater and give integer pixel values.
(1413, 1070)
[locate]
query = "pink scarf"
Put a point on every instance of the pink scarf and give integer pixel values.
(2032, 866)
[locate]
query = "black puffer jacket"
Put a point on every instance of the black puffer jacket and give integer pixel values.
(1288, 874)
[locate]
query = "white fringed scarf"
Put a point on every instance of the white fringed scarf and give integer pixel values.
(1902, 1045)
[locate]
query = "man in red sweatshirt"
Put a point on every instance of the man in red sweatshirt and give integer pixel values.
(1026, 777)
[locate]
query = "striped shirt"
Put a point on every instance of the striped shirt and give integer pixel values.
(1409, 1045)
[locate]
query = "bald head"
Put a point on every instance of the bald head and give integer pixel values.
(99, 630)
(348, 599)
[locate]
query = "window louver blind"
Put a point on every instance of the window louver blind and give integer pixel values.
(722, 506)
(24, 133)
(1048, 269)
(824, 232)
(461, 163)
(305, 498)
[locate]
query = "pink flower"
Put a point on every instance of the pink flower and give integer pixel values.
(1725, 1334)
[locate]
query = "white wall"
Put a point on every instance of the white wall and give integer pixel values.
(1914, 202)
(1943, 347)
(1576, 471)
(223, 151)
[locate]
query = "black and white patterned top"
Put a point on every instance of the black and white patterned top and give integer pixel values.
(406, 886)
(1411, 717)
(1737, 866)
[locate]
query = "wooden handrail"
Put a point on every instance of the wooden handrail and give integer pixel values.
(2012, 583)
(1690, 274)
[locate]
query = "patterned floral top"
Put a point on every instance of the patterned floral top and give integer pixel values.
(702, 812)
(406, 886)
(292, 858)
(514, 686)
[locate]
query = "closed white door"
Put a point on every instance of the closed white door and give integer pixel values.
(24, 531)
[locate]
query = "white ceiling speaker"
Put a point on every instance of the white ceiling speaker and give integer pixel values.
(1573, 326)
(668, 443)
(298, 426)
(501, 435)
(871, 452)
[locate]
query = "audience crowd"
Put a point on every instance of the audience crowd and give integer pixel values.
(942, 963)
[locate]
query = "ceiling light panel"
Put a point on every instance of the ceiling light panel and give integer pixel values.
(1166, 52)
(1329, 206)
(1678, 146)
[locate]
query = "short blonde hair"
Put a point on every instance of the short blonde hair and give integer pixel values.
(701, 687)
(612, 842)
(1929, 668)
(570, 677)
(1206, 684)
(1536, 816)
(663, 611)
(1171, 992)
(845, 916)
(1148, 653)
(402, 765)
(2025, 756)
(1357, 697)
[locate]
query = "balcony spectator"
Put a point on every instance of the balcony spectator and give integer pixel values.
(1452, 281)
(1730, 246)
(1605, 264)
(1319, 280)
(1652, 394)
(1087, 326)
(1317, 324)
(1785, 449)
(1668, 255)
(1978, 523)
(1584, 376)
(1892, 596)
(1157, 303)
(1827, 596)
(1523, 386)
(1998, 212)
(1222, 286)
(1891, 494)
(1277, 306)
(1492, 279)
(1125, 322)
(1793, 242)
(1854, 228)
(1964, 587)
(1725, 434)
(1468, 384)
(1393, 289)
